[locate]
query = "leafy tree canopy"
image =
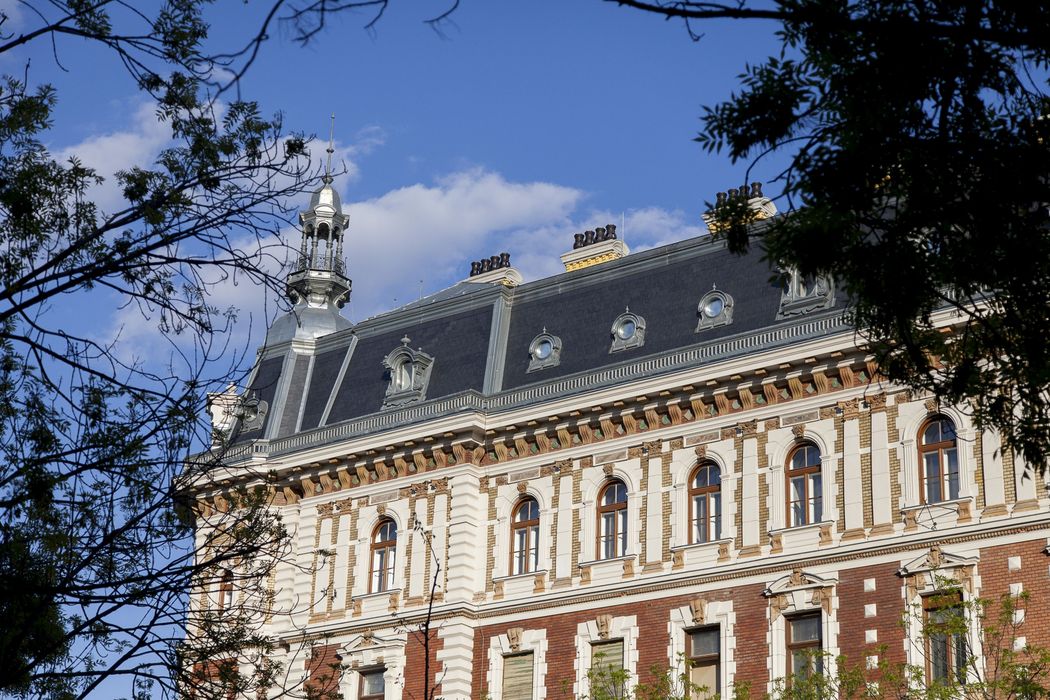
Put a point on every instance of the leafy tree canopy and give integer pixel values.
(918, 134)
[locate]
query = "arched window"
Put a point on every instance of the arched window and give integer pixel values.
(705, 503)
(384, 544)
(612, 520)
(938, 461)
(805, 503)
(525, 537)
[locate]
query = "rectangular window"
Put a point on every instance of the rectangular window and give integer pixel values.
(607, 673)
(226, 591)
(947, 651)
(373, 684)
(804, 645)
(517, 676)
(702, 647)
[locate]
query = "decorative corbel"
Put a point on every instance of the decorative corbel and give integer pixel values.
(514, 638)
(603, 622)
(698, 609)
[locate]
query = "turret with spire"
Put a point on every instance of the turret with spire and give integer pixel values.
(317, 285)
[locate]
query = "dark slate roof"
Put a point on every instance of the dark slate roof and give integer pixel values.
(479, 333)
(666, 293)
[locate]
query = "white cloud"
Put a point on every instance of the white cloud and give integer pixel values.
(432, 232)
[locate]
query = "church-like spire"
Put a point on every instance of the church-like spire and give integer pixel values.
(318, 279)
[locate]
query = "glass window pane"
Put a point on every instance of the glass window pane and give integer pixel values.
(716, 510)
(703, 642)
(700, 512)
(817, 498)
(933, 477)
(517, 677)
(805, 629)
(951, 457)
(373, 683)
(705, 677)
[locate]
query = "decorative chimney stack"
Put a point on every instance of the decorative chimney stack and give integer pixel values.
(317, 280)
(760, 206)
(594, 247)
(495, 269)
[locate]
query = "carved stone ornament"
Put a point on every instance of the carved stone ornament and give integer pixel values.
(523, 486)
(749, 428)
(608, 469)
(797, 579)
(698, 609)
(514, 638)
(799, 431)
(381, 509)
(368, 638)
(930, 405)
(603, 623)
(701, 451)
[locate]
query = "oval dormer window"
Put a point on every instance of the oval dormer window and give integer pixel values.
(628, 331)
(715, 309)
(544, 351)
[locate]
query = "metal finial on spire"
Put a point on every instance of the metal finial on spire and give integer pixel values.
(330, 151)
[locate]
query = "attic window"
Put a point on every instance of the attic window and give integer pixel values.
(803, 295)
(628, 331)
(544, 351)
(408, 372)
(715, 309)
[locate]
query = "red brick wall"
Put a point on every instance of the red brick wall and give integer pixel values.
(652, 617)
(889, 602)
(996, 578)
(415, 666)
(322, 672)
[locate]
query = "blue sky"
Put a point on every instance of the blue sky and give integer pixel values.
(518, 125)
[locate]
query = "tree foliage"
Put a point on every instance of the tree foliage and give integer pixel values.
(917, 133)
(97, 552)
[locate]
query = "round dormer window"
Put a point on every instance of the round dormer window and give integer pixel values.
(626, 329)
(714, 306)
(544, 351)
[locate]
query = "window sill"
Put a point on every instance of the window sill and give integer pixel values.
(714, 544)
(527, 574)
(378, 594)
(597, 562)
(801, 528)
(956, 510)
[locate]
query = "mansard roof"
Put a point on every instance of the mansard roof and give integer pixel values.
(479, 336)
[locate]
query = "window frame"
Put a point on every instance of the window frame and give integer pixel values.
(368, 672)
(791, 647)
(531, 527)
(711, 493)
(693, 661)
(811, 496)
(381, 549)
(618, 509)
(955, 641)
(941, 449)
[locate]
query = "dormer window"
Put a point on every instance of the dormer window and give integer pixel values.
(803, 295)
(715, 309)
(409, 372)
(628, 331)
(544, 351)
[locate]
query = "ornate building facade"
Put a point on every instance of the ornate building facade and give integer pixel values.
(654, 459)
